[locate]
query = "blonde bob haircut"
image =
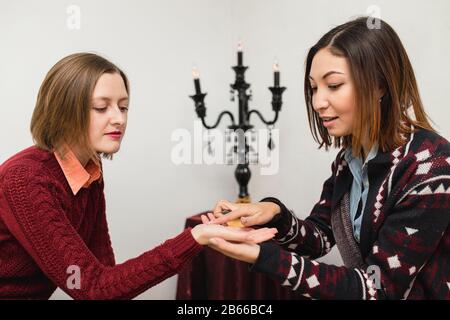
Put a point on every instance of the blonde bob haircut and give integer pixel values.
(61, 115)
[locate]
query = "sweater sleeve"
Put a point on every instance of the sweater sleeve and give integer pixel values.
(100, 241)
(37, 220)
(313, 236)
(412, 233)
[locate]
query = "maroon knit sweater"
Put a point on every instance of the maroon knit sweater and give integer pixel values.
(47, 235)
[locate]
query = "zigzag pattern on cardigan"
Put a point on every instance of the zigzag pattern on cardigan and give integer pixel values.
(404, 234)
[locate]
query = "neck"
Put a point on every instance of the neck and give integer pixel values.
(80, 156)
(366, 147)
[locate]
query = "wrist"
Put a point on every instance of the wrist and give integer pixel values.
(197, 234)
(281, 220)
(256, 253)
(275, 208)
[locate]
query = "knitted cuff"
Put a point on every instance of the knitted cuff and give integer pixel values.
(269, 260)
(184, 245)
(282, 222)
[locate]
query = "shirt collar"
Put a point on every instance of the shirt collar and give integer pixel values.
(77, 176)
(348, 156)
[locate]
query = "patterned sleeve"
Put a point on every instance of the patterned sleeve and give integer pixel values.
(311, 237)
(415, 230)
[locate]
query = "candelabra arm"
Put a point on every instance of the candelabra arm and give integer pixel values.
(218, 120)
(200, 109)
(262, 118)
(277, 93)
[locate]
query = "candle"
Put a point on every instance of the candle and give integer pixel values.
(239, 54)
(196, 76)
(276, 74)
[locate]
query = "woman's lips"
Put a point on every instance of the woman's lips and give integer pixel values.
(329, 122)
(114, 135)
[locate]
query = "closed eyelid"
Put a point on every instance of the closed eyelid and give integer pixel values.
(330, 83)
(108, 105)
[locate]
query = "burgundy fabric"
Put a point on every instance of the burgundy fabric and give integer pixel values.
(46, 231)
(211, 275)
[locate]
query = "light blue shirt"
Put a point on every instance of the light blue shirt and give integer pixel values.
(360, 186)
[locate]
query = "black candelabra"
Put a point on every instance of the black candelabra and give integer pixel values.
(242, 88)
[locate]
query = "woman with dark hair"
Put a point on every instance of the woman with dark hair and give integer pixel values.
(53, 228)
(387, 203)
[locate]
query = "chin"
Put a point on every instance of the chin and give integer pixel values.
(334, 134)
(109, 150)
(337, 133)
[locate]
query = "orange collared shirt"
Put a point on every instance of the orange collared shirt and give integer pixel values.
(78, 176)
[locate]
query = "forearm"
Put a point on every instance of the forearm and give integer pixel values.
(305, 237)
(315, 280)
(129, 279)
(38, 221)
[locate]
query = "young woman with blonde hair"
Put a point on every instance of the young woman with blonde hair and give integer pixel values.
(53, 227)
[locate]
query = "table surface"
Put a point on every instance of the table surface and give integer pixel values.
(211, 275)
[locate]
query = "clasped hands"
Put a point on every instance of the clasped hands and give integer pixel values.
(238, 243)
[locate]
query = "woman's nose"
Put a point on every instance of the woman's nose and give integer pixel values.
(118, 117)
(320, 101)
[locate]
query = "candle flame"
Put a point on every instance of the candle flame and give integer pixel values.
(240, 46)
(276, 67)
(195, 73)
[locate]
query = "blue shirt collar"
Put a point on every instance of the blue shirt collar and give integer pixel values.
(348, 155)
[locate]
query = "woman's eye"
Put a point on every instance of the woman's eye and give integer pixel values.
(100, 109)
(123, 109)
(334, 86)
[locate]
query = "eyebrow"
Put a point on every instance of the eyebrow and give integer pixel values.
(328, 74)
(108, 99)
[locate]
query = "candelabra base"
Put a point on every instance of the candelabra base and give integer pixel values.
(236, 223)
(245, 199)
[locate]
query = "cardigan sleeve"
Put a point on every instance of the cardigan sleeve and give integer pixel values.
(313, 236)
(37, 220)
(415, 230)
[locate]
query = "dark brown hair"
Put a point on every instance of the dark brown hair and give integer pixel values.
(61, 114)
(377, 61)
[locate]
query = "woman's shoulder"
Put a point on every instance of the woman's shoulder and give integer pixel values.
(32, 159)
(427, 160)
(430, 144)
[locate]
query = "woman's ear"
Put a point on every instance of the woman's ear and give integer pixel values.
(380, 94)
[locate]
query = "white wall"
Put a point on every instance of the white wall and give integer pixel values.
(156, 43)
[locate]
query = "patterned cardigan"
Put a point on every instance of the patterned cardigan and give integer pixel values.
(405, 238)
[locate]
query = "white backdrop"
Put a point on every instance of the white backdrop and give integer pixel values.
(156, 43)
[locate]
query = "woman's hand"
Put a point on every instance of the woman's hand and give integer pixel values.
(202, 233)
(241, 251)
(250, 214)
